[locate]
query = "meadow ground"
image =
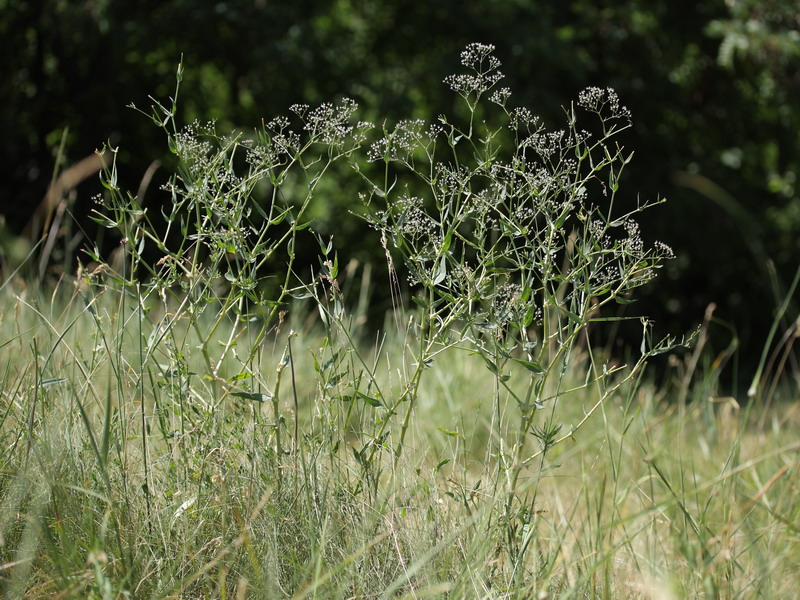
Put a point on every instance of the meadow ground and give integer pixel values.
(129, 469)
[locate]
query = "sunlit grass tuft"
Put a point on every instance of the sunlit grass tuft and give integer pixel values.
(650, 501)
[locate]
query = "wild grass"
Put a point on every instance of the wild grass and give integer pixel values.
(200, 418)
(119, 479)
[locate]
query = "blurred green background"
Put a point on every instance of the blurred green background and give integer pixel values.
(714, 88)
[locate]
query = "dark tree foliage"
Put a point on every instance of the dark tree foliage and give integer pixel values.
(713, 88)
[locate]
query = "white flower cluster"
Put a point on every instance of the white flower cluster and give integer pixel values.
(362, 128)
(260, 156)
(476, 203)
(506, 305)
(627, 261)
(523, 214)
(605, 276)
(634, 244)
(663, 251)
(595, 99)
(330, 122)
(299, 109)
(479, 58)
(500, 96)
(208, 177)
(545, 144)
(465, 85)
(452, 180)
(506, 176)
(460, 279)
(412, 220)
(538, 181)
(279, 123)
(475, 53)
(193, 146)
(285, 140)
(523, 117)
(408, 135)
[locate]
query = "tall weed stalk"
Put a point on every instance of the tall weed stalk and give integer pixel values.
(513, 246)
(509, 238)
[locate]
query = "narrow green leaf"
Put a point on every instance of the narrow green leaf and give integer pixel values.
(252, 396)
(530, 365)
(611, 319)
(279, 219)
(260, 211)
(301, 294)
(441, 272)
(448, 432)
(421, 302)
(239, 377)
(440, 464)
(16, 337)
(448, 239)
(373, 402)
(571, 315)
(529, 314)
(104, 221)
(49, 382)
(444, 296)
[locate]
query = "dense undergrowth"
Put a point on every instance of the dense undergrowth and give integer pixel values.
(122, 477)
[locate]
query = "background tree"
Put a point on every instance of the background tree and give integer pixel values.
(710, 86)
